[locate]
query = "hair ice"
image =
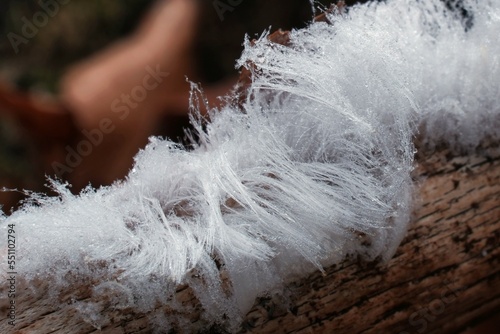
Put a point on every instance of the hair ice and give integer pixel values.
(314, 165)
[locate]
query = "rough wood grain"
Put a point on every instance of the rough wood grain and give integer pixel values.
(444, 277)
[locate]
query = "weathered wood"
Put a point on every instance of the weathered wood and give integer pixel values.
(444, 277)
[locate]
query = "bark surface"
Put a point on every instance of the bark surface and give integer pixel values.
(444, 277)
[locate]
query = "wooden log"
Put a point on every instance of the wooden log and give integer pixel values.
(444, 277)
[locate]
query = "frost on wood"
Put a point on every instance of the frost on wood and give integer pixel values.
(312, 166)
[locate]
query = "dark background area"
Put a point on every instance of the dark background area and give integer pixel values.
(80, 28)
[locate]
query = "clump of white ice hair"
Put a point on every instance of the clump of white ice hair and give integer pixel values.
(313, 166)
(453, 64)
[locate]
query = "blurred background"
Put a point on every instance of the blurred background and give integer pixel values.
(45, 42)
(78, 29)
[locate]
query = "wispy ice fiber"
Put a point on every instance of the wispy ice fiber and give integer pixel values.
(313, 165)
